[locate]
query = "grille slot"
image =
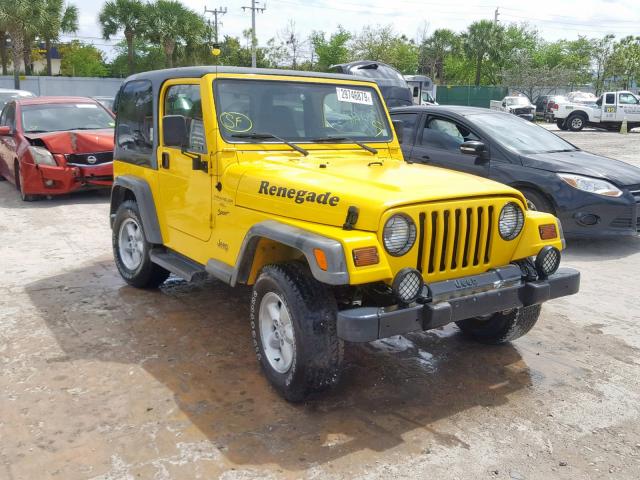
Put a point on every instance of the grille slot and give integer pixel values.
(455, 239)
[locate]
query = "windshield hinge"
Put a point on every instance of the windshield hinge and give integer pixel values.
(352, 218)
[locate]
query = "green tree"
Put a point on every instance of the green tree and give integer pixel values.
(126, 16)
(331, 51)
(625, 61)
(147, 57)
(382, 44)
(168, 23)
(60, 18)
(434, 51)
(80, 60)
(602, 49)
(481, 44)
(18, 17)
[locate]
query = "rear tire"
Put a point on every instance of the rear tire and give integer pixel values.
(293, 323)
(501, 327)
(576, 122)
(131, 249)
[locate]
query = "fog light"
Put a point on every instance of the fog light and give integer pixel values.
(407, 285)
(48, 183)
(547, 261)
(588, 219)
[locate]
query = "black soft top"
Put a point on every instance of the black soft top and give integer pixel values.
(159, 76)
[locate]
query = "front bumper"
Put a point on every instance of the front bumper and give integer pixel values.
(497, 290)
(61, 179)
(526, 116)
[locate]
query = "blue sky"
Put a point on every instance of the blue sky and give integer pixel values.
(554, 19)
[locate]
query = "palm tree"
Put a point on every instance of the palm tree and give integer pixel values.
(60, 18)
(169, 23)
(481, 41)
(18, 17)
(125, 15)
(435, 49)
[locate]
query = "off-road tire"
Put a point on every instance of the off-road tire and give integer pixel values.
(147, 274)
(573, 118)
(26, 197)
(318, 352)
(501, 327)
(561, 124)
(541, 203)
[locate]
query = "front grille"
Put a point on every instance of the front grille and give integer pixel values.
(523, 111)
(453, 239)
(622, 222)
(83, 158)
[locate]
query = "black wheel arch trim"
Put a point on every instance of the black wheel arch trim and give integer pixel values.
(295, 237)
(144, 198)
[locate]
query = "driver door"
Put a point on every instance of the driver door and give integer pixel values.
(186, 192)
(438, 143)
(628, 107)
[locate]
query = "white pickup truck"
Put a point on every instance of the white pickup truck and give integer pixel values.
(520, 106)
(609, 111)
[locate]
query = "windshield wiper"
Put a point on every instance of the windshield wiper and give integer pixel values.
(262, 136)
(347, 139)
(563, 150)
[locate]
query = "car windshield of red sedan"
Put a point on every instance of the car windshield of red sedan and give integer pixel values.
(58, 117)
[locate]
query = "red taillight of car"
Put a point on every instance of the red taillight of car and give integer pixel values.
(555, 106)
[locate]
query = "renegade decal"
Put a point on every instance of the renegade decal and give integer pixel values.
(236, 122)
(299, 196)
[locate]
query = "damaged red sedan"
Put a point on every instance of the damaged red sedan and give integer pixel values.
(56, 145)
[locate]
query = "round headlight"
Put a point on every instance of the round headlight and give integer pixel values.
(511, 221)
(399, 234)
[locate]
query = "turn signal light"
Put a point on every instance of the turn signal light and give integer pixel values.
(548, 231)
(365, 256)
(321, 259)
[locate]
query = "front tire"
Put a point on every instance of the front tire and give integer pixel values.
(293, 323)
(538, 202)
(501, 327)
(25, 197)
(561, 124)
(131, 249)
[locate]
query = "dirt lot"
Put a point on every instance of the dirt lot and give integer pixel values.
(105, 382)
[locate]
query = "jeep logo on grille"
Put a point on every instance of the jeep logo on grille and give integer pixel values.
(91, 159)
(465, 283)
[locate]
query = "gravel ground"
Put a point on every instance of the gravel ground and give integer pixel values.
(106, 382)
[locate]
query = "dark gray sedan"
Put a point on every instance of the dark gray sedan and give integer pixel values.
(593, 196)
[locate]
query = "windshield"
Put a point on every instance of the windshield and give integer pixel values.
(517, 101)
(299, 111)
(56, 117)
(518, 135)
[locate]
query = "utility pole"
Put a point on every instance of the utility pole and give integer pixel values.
(216, 11)
(255, 7)
(496, 15)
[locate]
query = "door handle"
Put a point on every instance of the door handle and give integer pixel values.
(165, 159)
(426, 157)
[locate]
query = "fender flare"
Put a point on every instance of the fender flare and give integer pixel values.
(144, 198)
(295, 237)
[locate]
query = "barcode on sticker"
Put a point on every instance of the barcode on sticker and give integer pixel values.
(354, 96)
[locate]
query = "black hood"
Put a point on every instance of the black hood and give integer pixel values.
(584, 163)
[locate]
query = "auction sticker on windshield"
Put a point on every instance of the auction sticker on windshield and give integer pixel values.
(354, 96)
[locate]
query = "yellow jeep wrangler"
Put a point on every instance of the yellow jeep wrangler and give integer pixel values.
(294, 183)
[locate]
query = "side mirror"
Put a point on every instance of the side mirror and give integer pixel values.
(174, 131)
(398, 126)
(475, 148)
(5, 130)
(504, 104)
